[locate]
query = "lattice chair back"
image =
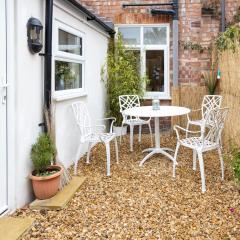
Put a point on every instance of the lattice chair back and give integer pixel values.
(217, 117)
(210, 102)
(126, 102)
(82, 118)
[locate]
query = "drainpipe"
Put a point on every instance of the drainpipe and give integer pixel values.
(223, 21)
(48, 53)
(175, 44)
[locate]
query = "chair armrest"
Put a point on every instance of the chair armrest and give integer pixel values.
(97, 127)
(177, 128)
(193, 111)
(112, 122)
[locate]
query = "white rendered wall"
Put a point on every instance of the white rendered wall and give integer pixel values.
(28, 81)
(28, 84)
(67, 133)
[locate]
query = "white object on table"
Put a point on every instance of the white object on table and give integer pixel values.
(164, 111)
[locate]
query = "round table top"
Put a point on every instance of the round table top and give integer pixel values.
(164, 111)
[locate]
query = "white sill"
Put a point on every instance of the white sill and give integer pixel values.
(67, 96)
(167, 97)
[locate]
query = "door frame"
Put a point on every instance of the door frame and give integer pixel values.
(11, 107)
(3, 81)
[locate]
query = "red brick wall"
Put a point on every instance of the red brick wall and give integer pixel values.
(193, 28)
(231, 9)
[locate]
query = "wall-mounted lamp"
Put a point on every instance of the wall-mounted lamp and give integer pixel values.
(34, 33)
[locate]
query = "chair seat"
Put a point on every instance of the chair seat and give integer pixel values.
(100, 137)
(137, 121)
(196, 142)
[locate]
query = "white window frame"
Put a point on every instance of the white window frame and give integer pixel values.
(67, 57)
(143, 48)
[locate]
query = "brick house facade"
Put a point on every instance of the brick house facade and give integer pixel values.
(196, 30)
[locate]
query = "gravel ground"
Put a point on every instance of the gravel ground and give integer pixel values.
(144, 202)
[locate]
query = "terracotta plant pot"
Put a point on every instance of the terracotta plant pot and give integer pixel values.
(45, 187)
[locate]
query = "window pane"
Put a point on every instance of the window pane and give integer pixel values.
(67, 75)
(69, 43)
(131, 35)
(155, 35)
(155, 70)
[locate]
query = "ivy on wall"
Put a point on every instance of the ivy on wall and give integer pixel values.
(193, 46)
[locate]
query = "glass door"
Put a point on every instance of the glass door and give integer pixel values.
(156, 69)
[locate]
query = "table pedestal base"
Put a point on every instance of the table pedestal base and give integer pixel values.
(157, 149)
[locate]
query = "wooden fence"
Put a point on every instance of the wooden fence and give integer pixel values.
(230, 90)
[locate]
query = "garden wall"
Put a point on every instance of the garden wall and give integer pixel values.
(230, 90)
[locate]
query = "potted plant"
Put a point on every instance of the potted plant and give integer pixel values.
(45, 177)
(121, 75)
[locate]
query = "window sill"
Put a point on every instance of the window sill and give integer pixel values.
(164, 97)
(63, 97)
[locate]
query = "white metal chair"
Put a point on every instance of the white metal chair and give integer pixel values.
(92, 134)
(130, 101)
(210, 102)
(208, 140)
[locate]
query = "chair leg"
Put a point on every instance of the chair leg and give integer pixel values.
(89, 152)
(131, 137)
(221, 161)
(201, 164)
(108, 157)
(121, 134)
(194, 160)
(140, 133)
(116, 149)
(187, 129)
(150, 131)
(175, 159)
(77, 159)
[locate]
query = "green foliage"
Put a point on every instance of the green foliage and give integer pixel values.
(193, 46)
(121, 75)
(229, 39)
(236, 164)
(42, 153)
(211, 81)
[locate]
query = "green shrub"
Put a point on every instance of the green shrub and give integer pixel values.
(121, 76)
(236, 165)
(229, 39)
(42, 153)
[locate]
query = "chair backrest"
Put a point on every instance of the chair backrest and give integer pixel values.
(209, 103)
(128, 101)
(82, 118)
(214, 130)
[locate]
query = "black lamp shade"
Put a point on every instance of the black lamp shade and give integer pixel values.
(34, 33)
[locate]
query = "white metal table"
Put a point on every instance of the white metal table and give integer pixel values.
(164, 111)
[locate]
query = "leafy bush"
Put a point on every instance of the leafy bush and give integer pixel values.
(42, 153)
(229, 39)
(236, 164)
(121, 75)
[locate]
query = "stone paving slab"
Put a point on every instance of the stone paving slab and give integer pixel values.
(13, 228)
(61, 199)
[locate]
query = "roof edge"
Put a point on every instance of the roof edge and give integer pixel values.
(108, 27)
